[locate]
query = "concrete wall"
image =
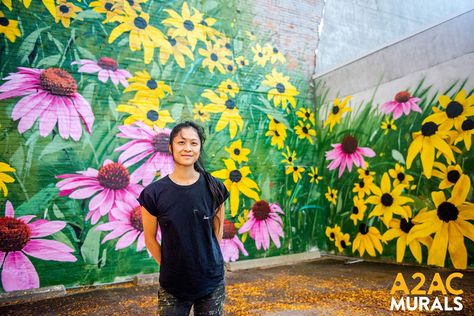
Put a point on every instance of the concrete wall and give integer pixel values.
(354, 28)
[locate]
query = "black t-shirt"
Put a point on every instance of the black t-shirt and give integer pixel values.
(191, 260)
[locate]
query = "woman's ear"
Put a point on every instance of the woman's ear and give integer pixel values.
(169, 148)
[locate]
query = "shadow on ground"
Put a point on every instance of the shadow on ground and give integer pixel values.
(322, 287)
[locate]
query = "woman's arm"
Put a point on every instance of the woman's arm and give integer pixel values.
(150, 227)
(218, 224)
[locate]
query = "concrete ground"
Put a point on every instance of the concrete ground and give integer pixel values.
(326, 286)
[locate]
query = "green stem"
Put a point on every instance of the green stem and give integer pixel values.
(22, 186)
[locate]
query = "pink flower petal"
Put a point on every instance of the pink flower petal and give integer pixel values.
(27, 103)
(27, 121)
(85, 192)
(47, 249)
(48, 119)
(64, 118)
(141, 242)
(103, 75)
(18, 273)
(113, 77)
(42, 228)
(26, 219)
(84, 109)
(9, 211)
(273, 231)
(127, 239)
(89, 68)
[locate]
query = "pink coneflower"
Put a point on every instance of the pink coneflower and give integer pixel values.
(127, 224)
(230, 243)
(264, 223)
(346, 153)
(50, 95)
(18, 238)
(403, 103)
(148, 142)
(107, 68)
(110, 184)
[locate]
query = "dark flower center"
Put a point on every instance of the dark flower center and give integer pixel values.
(355, 210)
(454, 109)
(401, 176)
(230, 104)
(58, 82)
(290, 159)
(275, 50)
(235, 176)
(367, 172)
(402, 96)
(242, 62)
(361, 184)
(260, 54)
(4, 21)
(429, 129)
(151, 84)
(229, 230)
(203, 23)
(387, 199)
(230, 67)
(14, 234)
(280, 87)
(447, 212)
(136, 218)
(453, 176)
(331, 235)
(152, 115)
(172, 41)
(276, 133)
(343, 244)
(108, 6)
(236, 151)
(305, 130)
(160, 142)
(405, 225)
(114, 176)
(307, 114)
(229, 87)
(140, 23)
(261, 210)
(363, 229)
(200, 113)
(276, 121)
(214, 57)
(107, 63)
(64, 8)
(335, 109)
(467, 125)
(188, 25)
(349, 144)
(295, 169)
(228, 46)
(389, 126)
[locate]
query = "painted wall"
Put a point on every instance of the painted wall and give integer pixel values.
(88, 93)
(398, 144)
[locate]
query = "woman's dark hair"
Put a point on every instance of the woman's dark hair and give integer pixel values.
(217, 194)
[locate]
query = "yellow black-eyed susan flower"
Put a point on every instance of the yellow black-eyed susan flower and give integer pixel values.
(186, 25)
(358, 210)
(295, 171)
(363, 187)
(236, 181)
(332, 232)
(331, 195)
(432, 136)
(388, 125)
(200, 114)
(226, 45)
(206, 25)
(111, 8)
(5, 178)
(366, 173)
(241, 61)
(449, 222)
(251, 35)
(65, 11)
(229, 87)
(282, 91)
(449, 175)
(277, 131)
(455, 111)
(230, 67)
(342, 241)
(146, 112)
(401, 229)
(237, 152)
(305, 131)
(305, 114)
(176, 47)
(141, 32)
(387, 201)
(214, 57)
(274, 54)
(290, 156)
(401, 177)
(9, 28)
(314, 175)
(260, 55)
(465, 133)
(367, 239)
(148, 89)
(227, 107)
(338, 109)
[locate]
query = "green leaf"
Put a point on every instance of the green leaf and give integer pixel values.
(61, 237)
(57, 144)
(88, 14)
(155, 71)
(49, 61)
(17, 160)
(398, 156)
(88, 92)
(57, 212)
(91, 246)
(29, 44)
(85, 53)
(38, 202)
(113, 107)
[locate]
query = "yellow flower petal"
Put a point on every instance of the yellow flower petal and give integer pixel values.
(457, 249)
(437, 253)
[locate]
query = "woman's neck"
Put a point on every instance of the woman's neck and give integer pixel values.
(184, 175)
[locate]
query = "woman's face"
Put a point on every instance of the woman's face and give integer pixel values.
(186, 147)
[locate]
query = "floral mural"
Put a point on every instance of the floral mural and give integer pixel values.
(90, 90)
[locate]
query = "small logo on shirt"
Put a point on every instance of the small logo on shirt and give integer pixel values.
(206, 217)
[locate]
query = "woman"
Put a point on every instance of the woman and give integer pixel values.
(188, 205)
